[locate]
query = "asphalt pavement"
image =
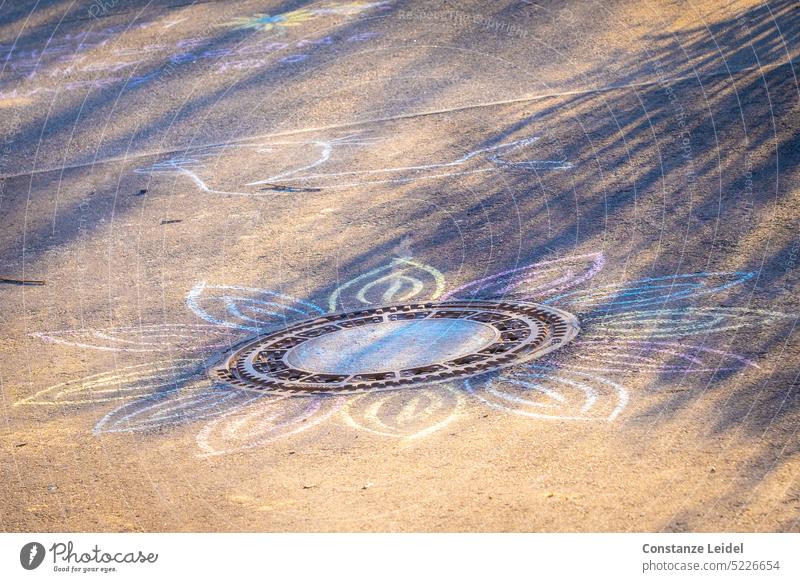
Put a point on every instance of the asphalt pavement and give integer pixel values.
(177, 178)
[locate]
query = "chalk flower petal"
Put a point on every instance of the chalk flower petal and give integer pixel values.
(655, 324)
(175, 408)
(144, 338)
(547, 392)
(407, 414)
(621, 356)
(263, 421)
(247, 308)
(400, 281)
(650, 291)
(127, 383)
(535, 281)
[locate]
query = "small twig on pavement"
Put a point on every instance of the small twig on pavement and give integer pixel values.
(20, 281)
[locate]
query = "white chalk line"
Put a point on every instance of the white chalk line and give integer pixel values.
(148, 338)
(183, 409)
(590, 395)
(438, 402)
(197, 294)
(397, 267)
(133, 379)
(320, 410)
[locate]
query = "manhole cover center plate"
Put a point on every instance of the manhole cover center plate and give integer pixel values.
(391, 345)
(397, 346)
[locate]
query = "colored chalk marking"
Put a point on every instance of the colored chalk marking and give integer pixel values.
(321, 153)
(405, 280)
(535, 280)
(294, 18)
(407, 414)
(126, 383)
(175, 408)
(675, 323)
(605, 356)
(144, 338)
(263, 421)
(246, 308)
(546, 392)
(570, 386)
(652, 290)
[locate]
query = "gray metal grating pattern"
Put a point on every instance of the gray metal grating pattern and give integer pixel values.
(522, 332)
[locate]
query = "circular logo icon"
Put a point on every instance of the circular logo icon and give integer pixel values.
(31, 555)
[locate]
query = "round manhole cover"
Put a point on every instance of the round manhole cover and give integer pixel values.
(397, 346)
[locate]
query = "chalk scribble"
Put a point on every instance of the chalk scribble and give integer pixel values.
(263, 421)
(299, 166)
(407, 414)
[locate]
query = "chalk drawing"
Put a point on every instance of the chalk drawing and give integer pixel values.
(537, 280)
(293, 18)
(175, 408)
(60, 63)
(68, 48)
(59, 46)
(171, 23)
(675, 323)
(547, 392)
(406, 414)
(651, 290)
(192, 163)
(246, 308)
(298, 165)
(626, 356)
(571, 385)
(324, 148)
(122, 384)
(223, 65)
(268, 22)
(401, 280)
(185, 166)
(263, 421)
(187, 161)
(144, 338)
(411, 173)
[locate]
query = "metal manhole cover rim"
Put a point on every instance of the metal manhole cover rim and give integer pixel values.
(561, 326)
